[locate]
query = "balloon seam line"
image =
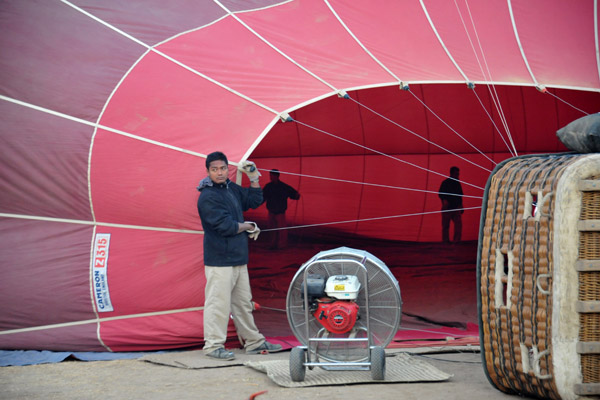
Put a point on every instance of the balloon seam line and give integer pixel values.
(98, 224)
(369, 53)
(487, 76)
(437, 34)
(97, 125)
(160, 53)
(271, 45)
(518, 39)
(93, 138)
(596, 38)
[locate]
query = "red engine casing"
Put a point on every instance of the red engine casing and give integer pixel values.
(338, 316)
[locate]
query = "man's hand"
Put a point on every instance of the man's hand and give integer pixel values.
(251, 171)
(254, 232)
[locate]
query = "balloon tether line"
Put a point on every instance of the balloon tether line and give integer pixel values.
(565, 102)
(368, 219)
(381, 153)
(488, 76)
(425, 139)
(373, 184)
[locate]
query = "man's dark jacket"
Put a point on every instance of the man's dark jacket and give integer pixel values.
(220, 207)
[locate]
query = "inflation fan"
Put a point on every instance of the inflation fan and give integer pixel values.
(344, 306)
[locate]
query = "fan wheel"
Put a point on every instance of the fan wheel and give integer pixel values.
(297, 367)
(378, 363)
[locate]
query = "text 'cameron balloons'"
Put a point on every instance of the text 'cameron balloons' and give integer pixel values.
(108, 113)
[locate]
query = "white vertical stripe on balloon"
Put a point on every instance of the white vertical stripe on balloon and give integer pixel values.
(433, 28)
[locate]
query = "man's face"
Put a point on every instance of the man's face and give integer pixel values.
(218, 171)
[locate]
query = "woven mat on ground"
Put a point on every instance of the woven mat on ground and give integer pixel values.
(196, 359)
(399, 368)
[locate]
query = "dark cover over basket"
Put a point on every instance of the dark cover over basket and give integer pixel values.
(539, 276)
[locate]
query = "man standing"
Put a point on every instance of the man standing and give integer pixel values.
(226, 234)
(452, 208)
(276, 194)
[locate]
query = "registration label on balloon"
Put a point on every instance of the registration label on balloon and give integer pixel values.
(99, 270)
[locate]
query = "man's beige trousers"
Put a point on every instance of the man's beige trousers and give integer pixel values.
(228, 291)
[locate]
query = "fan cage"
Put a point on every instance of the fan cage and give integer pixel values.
(379, 318)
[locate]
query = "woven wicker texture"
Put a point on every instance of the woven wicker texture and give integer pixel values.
(590, 367)
(521, 319)
(590, 205)
(590, 327)
(589, 245)
(589, 286)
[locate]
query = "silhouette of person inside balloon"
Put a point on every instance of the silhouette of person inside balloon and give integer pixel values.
(275, 194)
(451, 193)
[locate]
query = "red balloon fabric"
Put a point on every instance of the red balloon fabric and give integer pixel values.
(108, 113)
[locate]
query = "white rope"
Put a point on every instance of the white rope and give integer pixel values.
(206, 77)
(455, 132)
(97, 125)
(370, 219)
(488, 77)
(399, 80)
(369, 184)
(96, 223)
(379, 152)
(596, 36)
(566, 102)
(433, 28)
(400, 328)
(436, 332)
(94, 134)
(360, 43)
(98, 320)
(126, 134)
(271, 45)
(427, 140)
(198, 73)
(510, 150)
(366, 184)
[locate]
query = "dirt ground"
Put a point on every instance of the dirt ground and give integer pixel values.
(135, 379)
(438, 287)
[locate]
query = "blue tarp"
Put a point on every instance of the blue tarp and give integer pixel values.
(31, 357)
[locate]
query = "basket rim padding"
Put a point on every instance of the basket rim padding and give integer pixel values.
(565, 282)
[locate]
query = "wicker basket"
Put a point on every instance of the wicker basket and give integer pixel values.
(539, 276)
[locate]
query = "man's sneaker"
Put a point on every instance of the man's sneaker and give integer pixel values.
(221, 354)
(265, 348)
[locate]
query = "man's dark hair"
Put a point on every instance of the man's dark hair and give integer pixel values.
(215, 156)
(274, 172)
(454, 169)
